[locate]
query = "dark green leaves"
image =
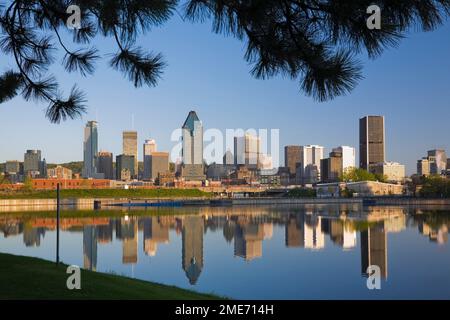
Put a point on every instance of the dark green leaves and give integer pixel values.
(10, 83)
(139, 67)
(314, 41)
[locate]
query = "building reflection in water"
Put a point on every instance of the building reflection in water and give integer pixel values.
(192, 247)
(244, 228)
(90, 247)
(248, 239)
(374, 249)
(127, 231)
(314, 235)
(295, 231)
(32, 236)
(155, 231)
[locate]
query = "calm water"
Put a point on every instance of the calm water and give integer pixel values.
(292, 252)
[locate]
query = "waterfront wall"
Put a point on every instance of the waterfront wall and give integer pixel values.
(11, 205)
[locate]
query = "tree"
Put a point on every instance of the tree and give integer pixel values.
(435, 187)
(356, 175)
(313, 41)
(28, 185)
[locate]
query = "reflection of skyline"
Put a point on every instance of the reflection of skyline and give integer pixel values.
(90, 247)
(192, 251)
(374, 249)
(154, 232)
(248, 239)
(245, 229)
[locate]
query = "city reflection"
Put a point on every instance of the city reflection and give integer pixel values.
(246, 229)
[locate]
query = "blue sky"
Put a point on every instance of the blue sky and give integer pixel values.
(409, 85)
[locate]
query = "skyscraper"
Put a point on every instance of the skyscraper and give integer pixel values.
(348, 157)
(371, 141)
(105, 164)
(158, 163)
(247, 150)
(130, 147)
(125, 167)
(90, 150)
(192, 131)
(308, 169)
(149, 148)
(292, 156)
(438, 161)
(33, 165)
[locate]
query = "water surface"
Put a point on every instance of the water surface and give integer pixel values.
(260, 252)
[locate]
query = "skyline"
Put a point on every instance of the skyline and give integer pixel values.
(415, 111)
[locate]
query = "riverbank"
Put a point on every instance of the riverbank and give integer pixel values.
(32, 278)
(107, 193)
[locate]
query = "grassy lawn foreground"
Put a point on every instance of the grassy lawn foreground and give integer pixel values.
(32, 278)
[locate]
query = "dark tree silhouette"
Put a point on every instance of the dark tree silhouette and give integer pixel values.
(313, 41)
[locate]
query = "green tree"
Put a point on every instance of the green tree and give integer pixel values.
(435, 187)
(357, 174)
(27, 185)
(315, 42)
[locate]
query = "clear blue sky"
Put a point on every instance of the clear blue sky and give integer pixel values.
(206, 72)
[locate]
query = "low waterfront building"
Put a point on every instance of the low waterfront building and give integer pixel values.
(51, 184)
(358, 189)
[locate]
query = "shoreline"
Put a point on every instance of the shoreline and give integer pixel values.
(8, 205)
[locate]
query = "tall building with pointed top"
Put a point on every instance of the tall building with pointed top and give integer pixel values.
(130, 148)
(90, 149)
(192, 247)
(192, 135)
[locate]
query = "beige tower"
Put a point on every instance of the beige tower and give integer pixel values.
(130, 147)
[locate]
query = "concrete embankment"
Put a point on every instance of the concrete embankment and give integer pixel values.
(10, 205)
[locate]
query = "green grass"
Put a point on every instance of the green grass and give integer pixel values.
(108, 193)
(32, 278)
(105, 213)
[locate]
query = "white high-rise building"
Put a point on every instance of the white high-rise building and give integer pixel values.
(149, 148)
(192, 134)
(90, 150)
(309, 170)
(247, 150)
(348, 157)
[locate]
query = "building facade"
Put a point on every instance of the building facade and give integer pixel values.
(130, 148)
(371, 141)
(192, 135)
(292, 156)
(423, 167)
(308, 169)
(348, 157)
(331, 168)
(90, 150)
(148, 149)
(438, 161)
(125, 167)
(247, 151)
(159, 163)
(393, 171)
(105, 164)
(59, 172)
